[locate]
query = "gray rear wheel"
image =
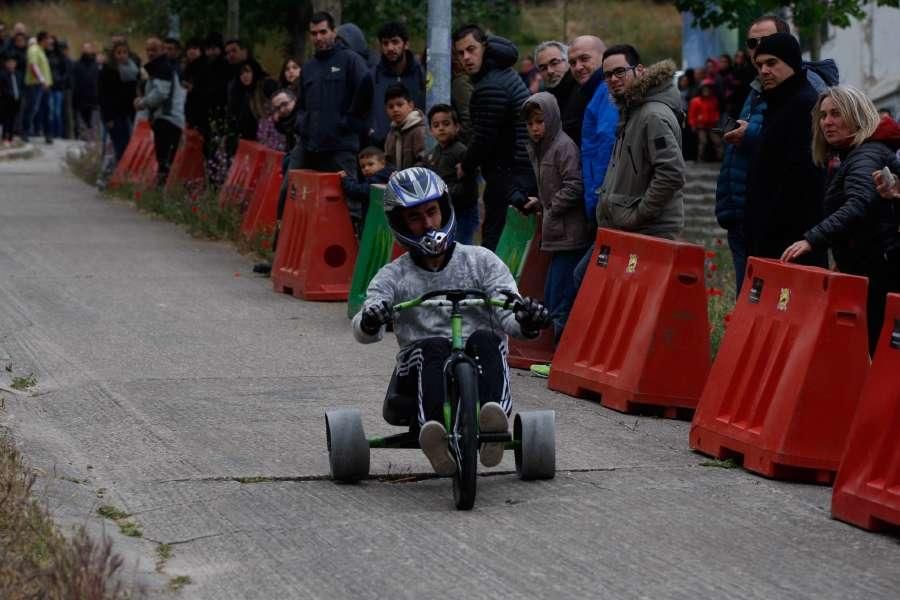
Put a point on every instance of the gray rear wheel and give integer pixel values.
(348, 449)
(536, 451)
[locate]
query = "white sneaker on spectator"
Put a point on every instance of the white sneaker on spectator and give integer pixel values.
(493, 420)
(433, 440)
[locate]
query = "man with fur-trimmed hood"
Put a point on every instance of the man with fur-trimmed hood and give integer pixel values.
(642, 192)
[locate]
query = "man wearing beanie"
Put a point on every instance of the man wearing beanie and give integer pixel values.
(784, 187)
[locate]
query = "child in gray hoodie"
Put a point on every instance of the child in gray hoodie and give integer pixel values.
(565, 231)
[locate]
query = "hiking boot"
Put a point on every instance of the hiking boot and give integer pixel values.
(493, 420)
(263, 268)
(433, 440)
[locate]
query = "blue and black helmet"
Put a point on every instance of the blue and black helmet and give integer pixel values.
(412, 187)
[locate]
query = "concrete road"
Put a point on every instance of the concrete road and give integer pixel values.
(176, 386)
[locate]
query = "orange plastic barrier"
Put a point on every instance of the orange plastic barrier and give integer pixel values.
(242, 176)
(138, 165)
(262, 212)
(524, 353)
(638, 333)
(316, 248)
(867, 489)
(188, 170)
(785, 383)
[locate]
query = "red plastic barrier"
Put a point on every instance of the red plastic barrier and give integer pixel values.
(524, 353)
(188, 170)
(242, 176)
(138, 165)
(785, 383)
(867, 489)
(638, 333)
(262, 212)
(316, 247)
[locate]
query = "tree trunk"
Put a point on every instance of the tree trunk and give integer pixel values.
(330, 6)
(233, 19)
(815, 46)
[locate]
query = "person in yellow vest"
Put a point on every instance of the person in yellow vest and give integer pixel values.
(38, 80)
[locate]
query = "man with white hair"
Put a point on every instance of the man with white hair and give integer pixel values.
(552, 61)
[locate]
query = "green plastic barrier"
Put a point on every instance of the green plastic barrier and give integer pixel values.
(375, 249)
(513, 245)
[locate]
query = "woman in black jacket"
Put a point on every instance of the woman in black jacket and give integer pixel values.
(861, 228)
(117, 90)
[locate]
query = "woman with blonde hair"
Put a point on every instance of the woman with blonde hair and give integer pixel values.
(861, 228)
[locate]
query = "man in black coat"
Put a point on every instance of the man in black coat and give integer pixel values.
(85, 99)
(497, 143)
(398, 65)
(784, 187)
(333, 104)
(552, 60)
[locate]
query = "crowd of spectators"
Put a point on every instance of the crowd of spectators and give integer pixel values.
(583, 132)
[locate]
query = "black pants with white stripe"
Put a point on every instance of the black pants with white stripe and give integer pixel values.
(420, 372)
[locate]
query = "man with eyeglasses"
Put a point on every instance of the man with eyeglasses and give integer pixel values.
(552, 60)
(599, 117)
(642, 192)
(742, 143)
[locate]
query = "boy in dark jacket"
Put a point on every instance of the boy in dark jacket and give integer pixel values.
(443, 158)
(405, 144)
(10, 97)
(565, 230)
(373, 168)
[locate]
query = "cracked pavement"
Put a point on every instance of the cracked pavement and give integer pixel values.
(176, 386)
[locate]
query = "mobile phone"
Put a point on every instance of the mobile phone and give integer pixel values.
(726, 124)
(889, 178)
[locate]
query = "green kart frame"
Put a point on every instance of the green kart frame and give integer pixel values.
(532, 440)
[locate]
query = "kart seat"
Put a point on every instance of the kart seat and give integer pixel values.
(399, 409)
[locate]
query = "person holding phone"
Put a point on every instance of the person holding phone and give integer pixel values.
(742, 142)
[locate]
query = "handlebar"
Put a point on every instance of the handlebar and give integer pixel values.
(455, 298)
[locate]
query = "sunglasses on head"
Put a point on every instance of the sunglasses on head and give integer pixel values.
(752, 43)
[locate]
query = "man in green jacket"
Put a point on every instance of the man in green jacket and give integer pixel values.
(38, 81)
(642, 192)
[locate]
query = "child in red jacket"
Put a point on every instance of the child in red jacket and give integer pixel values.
(703, 116)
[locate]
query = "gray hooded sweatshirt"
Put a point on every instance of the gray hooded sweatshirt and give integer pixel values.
(557, 167)
(469, 267)
(642, 191)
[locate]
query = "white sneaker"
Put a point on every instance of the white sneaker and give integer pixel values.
(493, 420)
(433, 440)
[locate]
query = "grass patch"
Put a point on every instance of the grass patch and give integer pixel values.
(23, 384)
(720, 290)
(178, 582)
(111, 512)
(36, 559)
(253, 479)
(728, 463)
(131, 529)
(163, 554)
(84, 162)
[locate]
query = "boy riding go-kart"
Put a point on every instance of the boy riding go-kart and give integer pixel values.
(459, 335)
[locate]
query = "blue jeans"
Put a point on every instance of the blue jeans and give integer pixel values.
(560, 288)
(55, 105)
(738, 247)
(581, 268)
(37, 100)
(466, 224)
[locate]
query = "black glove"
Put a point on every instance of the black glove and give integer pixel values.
(532, 317)
(375, 316)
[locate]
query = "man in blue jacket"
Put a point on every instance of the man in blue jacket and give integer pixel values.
(601, 117)
(743, 143)
(398, 65)
(333, 103)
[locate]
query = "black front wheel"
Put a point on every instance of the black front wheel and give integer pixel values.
(464, 437)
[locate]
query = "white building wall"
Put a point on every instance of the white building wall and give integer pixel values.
(868, 54)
